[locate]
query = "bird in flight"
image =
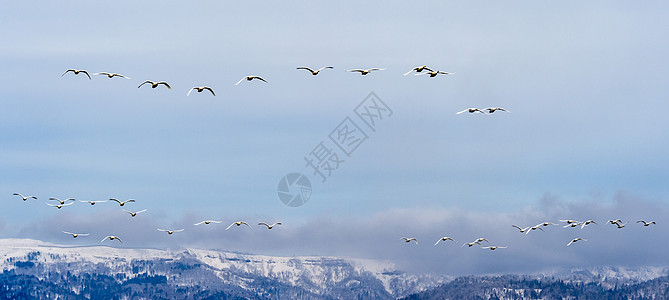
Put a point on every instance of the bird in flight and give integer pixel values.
(92, 202)
(207, 222)
(199, 89)
(132, 214)
(573, 224)
(534, 228)
(418, 70)
(121, 203)
(434, 73)
(170, 231)
(494, 109)
(576, 240)
(111, 238)
(75, 235)
(314, 72)
(446, 238)
(614, 222)
(155, 84)
(471, 110)
(546, 224)
(62, 201)
(238, 223)
(646, 223)
(25, 197)
(76, 72)
(407, 239)
(493, 247)
(59, 206)
(569, 221)
(479, 240)
(367, 71)
(522, 230)
(620, 225)
(588, 222)
(270, 226)
(112, 75)
(471, 244)
(249, 78)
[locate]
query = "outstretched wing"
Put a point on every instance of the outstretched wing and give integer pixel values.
(148, 81)
(407, 73)
(209, 89)
(308, 69)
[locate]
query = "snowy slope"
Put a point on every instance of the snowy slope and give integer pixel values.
(313, 275)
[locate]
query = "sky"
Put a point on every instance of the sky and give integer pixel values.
(585, 137)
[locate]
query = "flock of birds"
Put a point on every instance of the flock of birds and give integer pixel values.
(419, 70)
(58, 203)
(526, 230)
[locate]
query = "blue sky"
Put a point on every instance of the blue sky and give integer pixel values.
(584, 82)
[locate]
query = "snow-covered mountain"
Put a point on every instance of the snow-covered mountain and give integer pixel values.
(200, 273)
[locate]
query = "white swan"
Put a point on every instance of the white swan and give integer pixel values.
(366, 71)
(199, 89)
(75, 235)
(59, 206)
(408, 239)
(62, 201)
(170, 231)
(121, 203)
(494, 109)
(435, 73)
(249, 78)
(446, 238)
(270, 226)
(315, 72)
(76, 72)
(25, 197)
(155, 84)
(576, 240)
(132, 214)
(588, 222)
(418, 70)
(471, 110)
(92, 202)
(646, 223)
(493, 247)
(207, 222)
(238, 223)
(111, 75)
(111, 238)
